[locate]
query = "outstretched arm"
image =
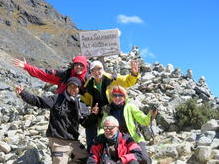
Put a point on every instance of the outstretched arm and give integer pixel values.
(134, 68)
(41, 102)
(19, 63)
(37, 72)
(130, 79)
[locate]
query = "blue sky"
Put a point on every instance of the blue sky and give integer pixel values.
(184, 33)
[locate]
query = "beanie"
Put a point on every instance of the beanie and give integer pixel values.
(119, 90)
(75, 81)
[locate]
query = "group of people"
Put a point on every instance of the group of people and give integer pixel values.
(97, 100)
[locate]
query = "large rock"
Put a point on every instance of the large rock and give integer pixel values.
(203, 153)
(210, 125)
(5, 147)
(30, 156)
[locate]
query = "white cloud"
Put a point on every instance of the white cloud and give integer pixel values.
(129, 19)
(146, 53)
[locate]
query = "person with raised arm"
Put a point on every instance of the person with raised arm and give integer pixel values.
(129, 116)
(78, 68)
(97, 90)
(66, 113)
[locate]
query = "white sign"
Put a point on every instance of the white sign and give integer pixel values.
(100, 43)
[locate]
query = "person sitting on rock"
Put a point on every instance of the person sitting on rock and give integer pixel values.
(58, 77)
(97, 90)
(128, 116)
(114, 147)
(66, 112)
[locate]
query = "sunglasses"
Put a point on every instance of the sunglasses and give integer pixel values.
(117, 95)
(109, 127)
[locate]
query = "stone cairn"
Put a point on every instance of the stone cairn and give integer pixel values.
(22, 127)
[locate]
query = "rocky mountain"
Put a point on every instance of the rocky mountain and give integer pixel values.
(34, 30)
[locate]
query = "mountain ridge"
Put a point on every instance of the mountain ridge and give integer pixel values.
(34, 30)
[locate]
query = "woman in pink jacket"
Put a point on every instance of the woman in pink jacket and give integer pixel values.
(57, 77)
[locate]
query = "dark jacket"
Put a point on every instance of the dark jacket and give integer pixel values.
(99, 97)
(65, 113)
(127, 150)
(92, 94)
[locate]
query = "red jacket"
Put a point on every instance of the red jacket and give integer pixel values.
(127, 149)
(55, 76)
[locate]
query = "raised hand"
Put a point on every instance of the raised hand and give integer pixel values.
(19, 63)
(95, 109)
(19, 89)
(134, 67)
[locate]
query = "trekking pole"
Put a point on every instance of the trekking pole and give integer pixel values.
(152, 132)
(154, 109)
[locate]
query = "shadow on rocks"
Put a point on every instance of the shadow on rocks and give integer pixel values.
(30, 156)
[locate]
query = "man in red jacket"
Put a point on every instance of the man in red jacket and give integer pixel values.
(58, 77)
(113, 147)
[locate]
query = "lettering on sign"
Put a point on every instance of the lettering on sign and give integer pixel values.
(100, 43)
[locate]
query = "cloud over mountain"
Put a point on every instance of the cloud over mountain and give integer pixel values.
(129, 19)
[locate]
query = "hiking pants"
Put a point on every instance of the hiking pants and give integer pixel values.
(61, 150)
(91, 133)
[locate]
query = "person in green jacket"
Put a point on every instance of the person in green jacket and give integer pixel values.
(97, 91)
(128, 116)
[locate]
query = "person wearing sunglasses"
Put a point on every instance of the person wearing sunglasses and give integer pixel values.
(114, 147)
(97, 92)
(128, 116)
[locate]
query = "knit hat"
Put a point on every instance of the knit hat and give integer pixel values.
(75, 81)
(96, 63)
(119, 90)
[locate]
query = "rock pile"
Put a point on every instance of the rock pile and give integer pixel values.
(164, 87)
(33, 29)
(22, 127)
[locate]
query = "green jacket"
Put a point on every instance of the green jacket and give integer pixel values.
(132, 116)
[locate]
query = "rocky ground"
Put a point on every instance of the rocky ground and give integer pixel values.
(22, 127)
(34, 30)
